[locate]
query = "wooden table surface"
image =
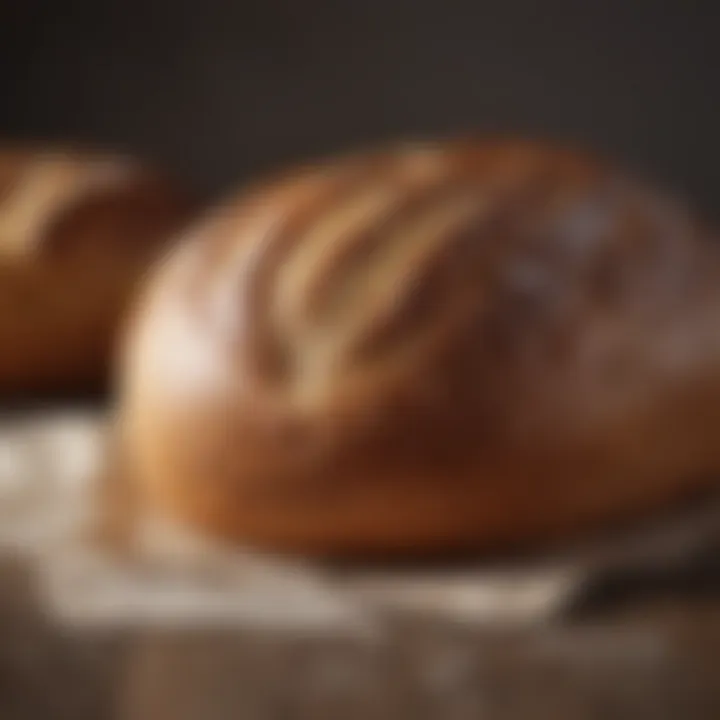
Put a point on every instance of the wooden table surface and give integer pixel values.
(186, 631)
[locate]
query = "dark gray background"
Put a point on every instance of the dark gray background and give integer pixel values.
(222, 90)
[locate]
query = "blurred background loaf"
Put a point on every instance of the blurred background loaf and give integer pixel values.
(77, 229)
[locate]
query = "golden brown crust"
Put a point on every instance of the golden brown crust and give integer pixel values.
(76, 232)
(458, 345)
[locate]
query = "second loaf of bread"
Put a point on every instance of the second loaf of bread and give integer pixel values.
(77, 231)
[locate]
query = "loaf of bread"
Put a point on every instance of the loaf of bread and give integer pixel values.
(77, 230)
(461, 346)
